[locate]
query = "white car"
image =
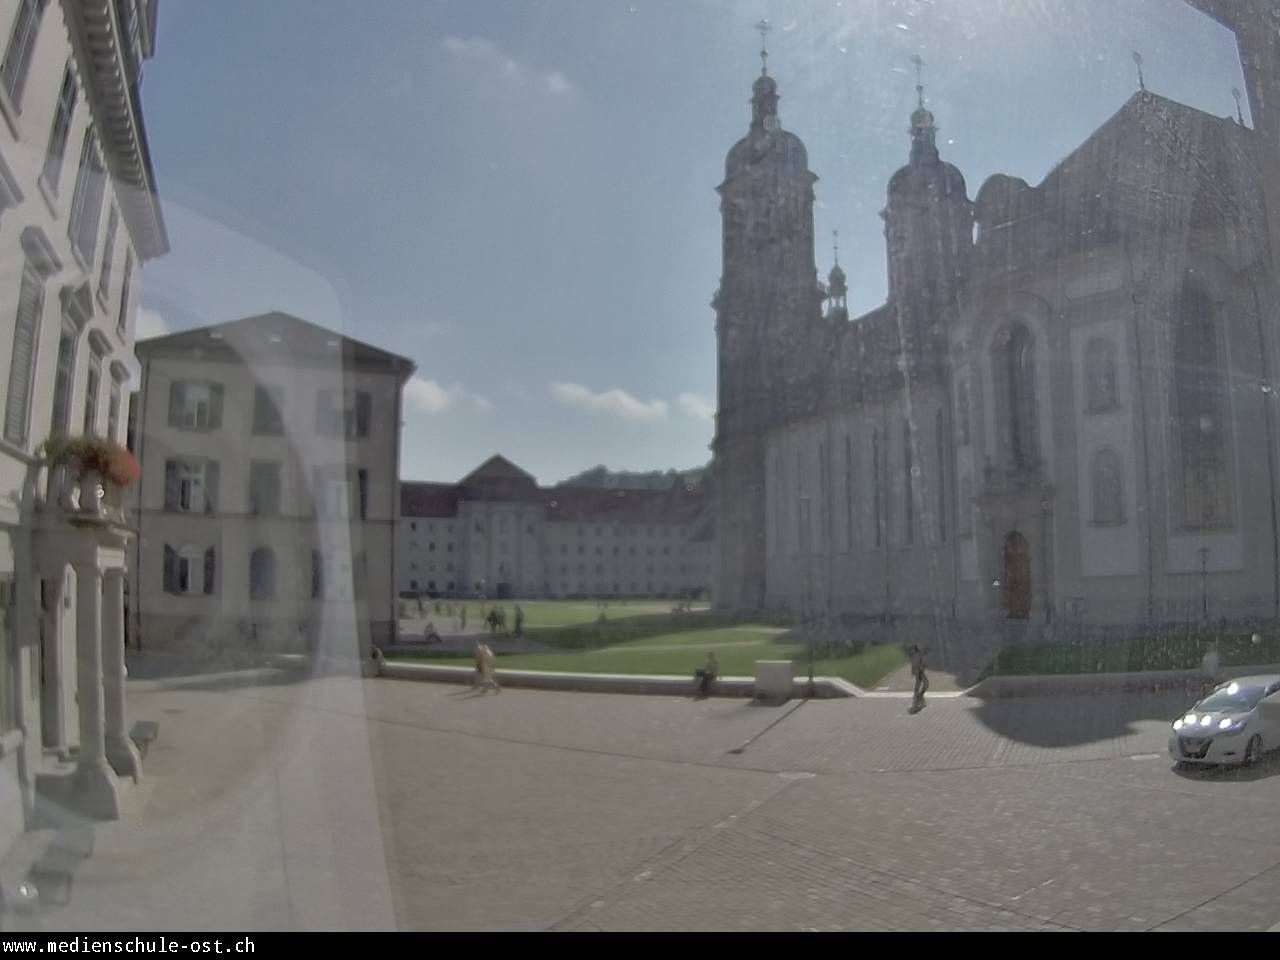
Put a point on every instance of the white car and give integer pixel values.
(1236, 723)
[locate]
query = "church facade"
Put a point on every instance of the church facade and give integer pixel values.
(1063, 418)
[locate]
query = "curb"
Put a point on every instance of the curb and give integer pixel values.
(824, 688)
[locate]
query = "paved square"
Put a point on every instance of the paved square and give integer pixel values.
(334, 802)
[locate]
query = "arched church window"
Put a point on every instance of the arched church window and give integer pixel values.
(1202, 479)
(877, 508)
(908, 486)
(1107, 483)
(1102, 394)
(1014, 373)
(940, 484)
(962, 413)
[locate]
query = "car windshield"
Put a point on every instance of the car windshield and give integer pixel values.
(1233, 698)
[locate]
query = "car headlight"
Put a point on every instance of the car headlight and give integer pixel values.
(1189, 719)
(1231, 726)
(1177, 724)
(1206, 720)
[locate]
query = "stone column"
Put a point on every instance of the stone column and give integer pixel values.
(53, 711)
(121, 752)
(94, 784)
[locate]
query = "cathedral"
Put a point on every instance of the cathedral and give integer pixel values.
(1062, 419)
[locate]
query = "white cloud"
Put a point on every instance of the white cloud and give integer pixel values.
(149, 323)
(558, 83)
(696, 406)
(487, 61)
(615, 402)
(428, 396)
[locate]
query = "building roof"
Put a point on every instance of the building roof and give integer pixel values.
(498, 479)
(428, 499)
(275, 337)
(497, 467)
(676, 506)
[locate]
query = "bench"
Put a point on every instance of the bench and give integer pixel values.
(143, 732)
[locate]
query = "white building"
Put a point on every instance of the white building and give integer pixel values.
(270, 453)
(498, 533)
(78, 217)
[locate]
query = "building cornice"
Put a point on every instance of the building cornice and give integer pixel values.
(95, 33)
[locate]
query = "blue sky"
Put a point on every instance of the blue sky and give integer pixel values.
(519, 194)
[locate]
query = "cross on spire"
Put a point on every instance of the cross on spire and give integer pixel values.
(764, 29)
(1142, 81)
(835, 245)
(919, 62)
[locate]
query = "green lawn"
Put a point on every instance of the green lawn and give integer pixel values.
(737, 649)
(544, 613)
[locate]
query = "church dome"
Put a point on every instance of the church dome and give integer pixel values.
(778, 147)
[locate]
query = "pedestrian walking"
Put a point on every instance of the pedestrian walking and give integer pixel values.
(486, 672)
(922, 678)
(519, 621)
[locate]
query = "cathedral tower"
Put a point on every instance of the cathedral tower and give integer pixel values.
(768, 293)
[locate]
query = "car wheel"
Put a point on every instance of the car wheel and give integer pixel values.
(1253, 752)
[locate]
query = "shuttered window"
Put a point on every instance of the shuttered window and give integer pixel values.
(22, 369)
(56, 151)
(17, 55)
(86, 202)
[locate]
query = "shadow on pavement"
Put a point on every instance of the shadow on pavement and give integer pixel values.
(1064, 721)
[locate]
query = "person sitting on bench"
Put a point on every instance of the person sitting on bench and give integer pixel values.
(705, 674)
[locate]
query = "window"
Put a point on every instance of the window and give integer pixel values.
(113, 410)
(262, 574)
(195, 405)
(333, 494)
(267, 420)
(877, 512)
(1107, 482)
(824, 498)
(190, 486)
(431, 546)
(189, 571)
(317, 575)
(56, 150)
(1100, 376)
(848, 493)
(940, 466)
(343, 413)
(122, 321)
(908, 486)
(64, 376)
(1014, 375)
(108, 252)
(413, 526)
(92, 387)
(86, 202)
(22, 367)
(264, 488)
(17, 55)
(1202, 478)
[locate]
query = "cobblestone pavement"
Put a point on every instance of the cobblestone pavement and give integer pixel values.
(550, 810)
